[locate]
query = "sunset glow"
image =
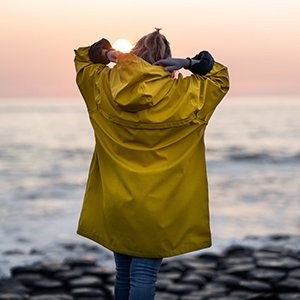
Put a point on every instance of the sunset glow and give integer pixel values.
(257, 40)
(122, 45)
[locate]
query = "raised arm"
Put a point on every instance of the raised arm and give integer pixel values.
(200, 64)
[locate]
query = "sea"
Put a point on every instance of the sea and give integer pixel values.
(253, 163)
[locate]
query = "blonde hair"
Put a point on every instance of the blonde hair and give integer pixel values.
(152, 47)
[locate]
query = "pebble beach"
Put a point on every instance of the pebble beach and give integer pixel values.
(238, 272)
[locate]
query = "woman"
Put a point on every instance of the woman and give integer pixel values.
(147, 196)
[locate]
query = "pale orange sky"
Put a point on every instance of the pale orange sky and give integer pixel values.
(259, 40)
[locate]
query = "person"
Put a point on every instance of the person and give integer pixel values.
(147, 194)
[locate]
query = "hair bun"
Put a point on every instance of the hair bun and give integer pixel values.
(158, 29)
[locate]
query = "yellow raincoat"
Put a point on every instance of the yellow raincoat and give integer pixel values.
(147, 192)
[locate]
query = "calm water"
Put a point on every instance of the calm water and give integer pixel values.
(253, 154)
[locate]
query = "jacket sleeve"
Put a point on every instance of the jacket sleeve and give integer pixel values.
(213, 86)
(205, 64)
(89, 65)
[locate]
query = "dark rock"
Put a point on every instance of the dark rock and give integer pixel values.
(260, 254)
(283, 263)
(289, 296)
(288, 285)
(228, 280)
(271, 275)
(207, 274)
(85, 281)
(239, 250)
(215, 288)
(32, 268)
(172, 265)
(240, 270)
(163, 284)
(194, 279)
(47, 284)
(67, 275)
(240, 260)
(182, 289)
(52, 297)
(209, 256)
(14, 252)
(279, 237)
(166, 296)
(52, 268)
(262, 296)
(200, 264)
(11, 296)
(205, 295)
(36, 252)
(174, 276)
(276, 249)
(295, 273)
(11, 285)
(241, 294)
(28, 279)
(87, 292)
(98, 271)
(80, 262)
(255, 286)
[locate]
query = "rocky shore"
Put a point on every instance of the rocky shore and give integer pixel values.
(239, 272)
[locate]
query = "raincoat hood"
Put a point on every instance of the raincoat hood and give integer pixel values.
(147, 192)
(137, 85)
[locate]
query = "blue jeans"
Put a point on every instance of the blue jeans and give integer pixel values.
(135, 277)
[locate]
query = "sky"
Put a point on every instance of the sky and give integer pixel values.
(258, 40)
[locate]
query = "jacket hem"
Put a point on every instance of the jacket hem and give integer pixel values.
(163, 254)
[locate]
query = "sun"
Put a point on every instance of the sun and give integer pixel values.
(122, 45)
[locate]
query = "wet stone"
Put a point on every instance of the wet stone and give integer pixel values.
(255, 286)
(47, 284)
(209, 256)
(241, 294)
(207, 274)
(271, 275)
(163, 284)
(11, 285)
(85, 281)
(97, 271)
(173, 266)
(68, 275)
(87, 292)
(295, 273)
(52, 268)
(52, 297)
(240, 270)
(231, 261)
(289, 296)
(166, 296)
(14, 252)
(238, 250)
(181, 288)
(80, 262)
(289, 285)
(29, 279)
(199, 295)
(215, 288)
(174, 276)
(201, 265)
(33, 268)
(264, 255)
(194, 279)
(228, 280)
(11, 296)
(283, 263)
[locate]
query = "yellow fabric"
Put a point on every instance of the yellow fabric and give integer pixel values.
(147, 192)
